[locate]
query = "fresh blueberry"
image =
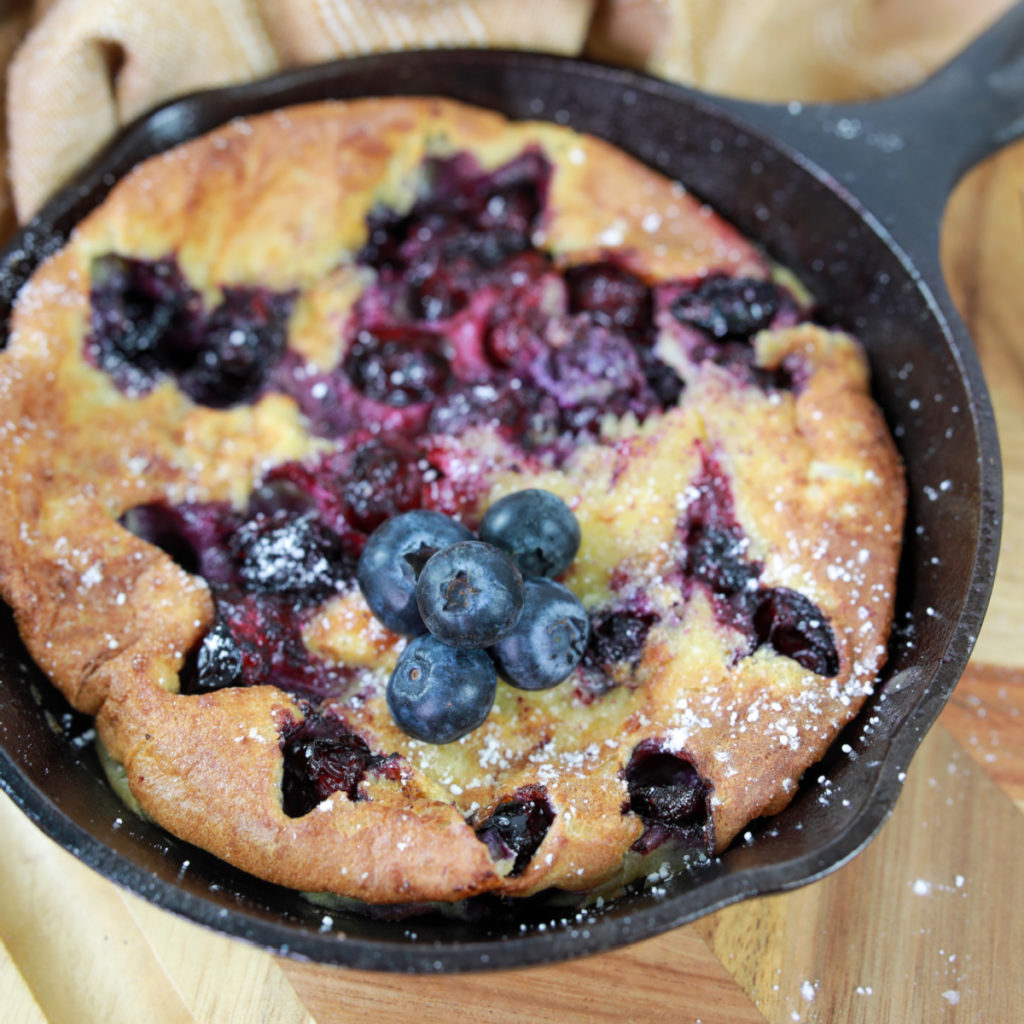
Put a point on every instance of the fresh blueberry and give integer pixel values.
(549, 639)
(470, 594)
(391, 562)
(537, 530)
(438, 693)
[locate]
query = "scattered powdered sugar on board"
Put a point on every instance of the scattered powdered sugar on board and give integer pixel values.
(923, 887)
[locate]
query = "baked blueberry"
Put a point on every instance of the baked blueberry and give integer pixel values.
(282, 554)
(523, 414)
(797, 629)
(391, 562)
(517, 827)
(727, 307)
(717, 556)
(398, 366)
(536, 529)
(669, 794)
(280, 494)
(382, 480)
(470, 594)
(615, 645)
(438, 693)
(663, 381)
(594, 372)
(146, 321)
(321, 757)
(610, 294)
(549, 639)
(143, 315)
(240, 342)
(619, 637)
(219, 662)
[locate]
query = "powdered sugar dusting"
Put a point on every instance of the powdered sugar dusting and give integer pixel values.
(703, 683)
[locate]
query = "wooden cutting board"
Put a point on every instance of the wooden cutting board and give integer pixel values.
(926, 925)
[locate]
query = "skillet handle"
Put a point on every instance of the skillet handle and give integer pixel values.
(901, 156)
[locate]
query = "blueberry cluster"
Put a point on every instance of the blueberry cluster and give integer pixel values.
(147, 322)
(474, 607)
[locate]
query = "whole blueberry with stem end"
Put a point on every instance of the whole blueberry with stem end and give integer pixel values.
(536, 528)
(392, 560)
(438, 693)
(470, 595)
(549, 639)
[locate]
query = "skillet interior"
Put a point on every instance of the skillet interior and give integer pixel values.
(925, 378)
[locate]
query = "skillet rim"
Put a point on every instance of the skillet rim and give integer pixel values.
(185, 117)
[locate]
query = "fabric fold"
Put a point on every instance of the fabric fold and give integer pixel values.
(87, 67)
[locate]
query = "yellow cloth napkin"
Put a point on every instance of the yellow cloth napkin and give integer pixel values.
(85, 67)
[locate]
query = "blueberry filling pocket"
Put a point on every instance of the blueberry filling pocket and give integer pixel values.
(615, 647)
(725, 314)
(466, 221)
(671, 798)
(321, 757)
(147, 322)
(517, 827)
(267, 567)
(469, 235)
(715, 556)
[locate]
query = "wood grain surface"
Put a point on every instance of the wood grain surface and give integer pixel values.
(926, 925)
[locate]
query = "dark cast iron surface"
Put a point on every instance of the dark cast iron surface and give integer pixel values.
(787, 176)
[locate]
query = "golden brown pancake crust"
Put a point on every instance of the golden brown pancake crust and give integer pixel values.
(281, 200)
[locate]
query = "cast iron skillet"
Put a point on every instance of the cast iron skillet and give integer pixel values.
(786, 176)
